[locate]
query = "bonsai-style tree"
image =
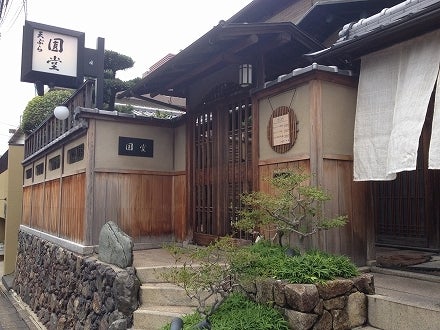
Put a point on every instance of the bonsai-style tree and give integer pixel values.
(114, 62)
(294, 207)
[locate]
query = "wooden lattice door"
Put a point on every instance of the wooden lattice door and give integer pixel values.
(221, 165)
(407, 209)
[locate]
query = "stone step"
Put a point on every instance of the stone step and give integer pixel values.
(155, 317)
(164, 294)
(151, 274)
(404, 301)
(403, 313)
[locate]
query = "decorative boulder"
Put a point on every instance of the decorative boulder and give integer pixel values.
(115, 246)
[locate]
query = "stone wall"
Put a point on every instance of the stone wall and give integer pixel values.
(340, 304)
(69, 291)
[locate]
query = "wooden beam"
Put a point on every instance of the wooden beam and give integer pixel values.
(249, 41)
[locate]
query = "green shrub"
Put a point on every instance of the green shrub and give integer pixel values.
(294, 207)
(41, 107)
(222, 266)
(263, 260)
(239, 313)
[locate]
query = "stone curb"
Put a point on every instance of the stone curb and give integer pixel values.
(401, 273)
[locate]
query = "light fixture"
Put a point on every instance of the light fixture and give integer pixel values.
(61, 112)
(245, 75)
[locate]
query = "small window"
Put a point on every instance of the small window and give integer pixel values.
(54, 163)
(28, 173)
(75, 154)
(39, 169)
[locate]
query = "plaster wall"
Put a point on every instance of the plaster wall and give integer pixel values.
(27, 181)
(14, 206)
(3, 194)
(79, 166)
(338, 114)
(180, 148)
(55, 173)
(106, 147)
(299, 100)
(64, 169)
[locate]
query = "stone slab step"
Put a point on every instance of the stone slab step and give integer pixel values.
(404, 301)
(399, 313)
(155, 317)
(152, 274)
(164, 294)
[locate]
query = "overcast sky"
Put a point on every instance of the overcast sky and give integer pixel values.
(145, 30)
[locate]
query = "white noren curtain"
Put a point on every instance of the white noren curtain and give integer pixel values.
(395, 86)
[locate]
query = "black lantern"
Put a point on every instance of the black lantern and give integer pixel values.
(245, 75)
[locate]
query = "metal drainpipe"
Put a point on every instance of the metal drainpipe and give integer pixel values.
(176, 324)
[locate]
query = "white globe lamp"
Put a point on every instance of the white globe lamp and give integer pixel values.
(61, 112)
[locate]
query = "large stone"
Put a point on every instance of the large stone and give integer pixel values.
(265, 289)
(332, 289)
(357, 309)
(120, 324)
(340, 319)
(301, 297)
(335, 303)
(300, 321)
(324, 322)
(115, 247)
(279, 293)
(126, 289)
(365, 283)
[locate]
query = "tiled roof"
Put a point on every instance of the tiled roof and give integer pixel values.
(312, 67)
(380, 20)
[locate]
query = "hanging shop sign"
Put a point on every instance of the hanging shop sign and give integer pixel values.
(282, 129)
(52, 56)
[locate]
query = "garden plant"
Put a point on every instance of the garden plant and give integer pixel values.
(214, 275)
(294, 207)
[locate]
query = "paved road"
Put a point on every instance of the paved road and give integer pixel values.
(10, 318)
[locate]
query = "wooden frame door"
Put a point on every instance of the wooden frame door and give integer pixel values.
(220, 165)
(407, 210)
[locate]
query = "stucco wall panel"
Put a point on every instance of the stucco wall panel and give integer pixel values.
(107, 141)
(298, 99)
(338, 113)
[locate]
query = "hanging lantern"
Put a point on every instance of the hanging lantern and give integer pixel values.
(245, 75)
(61, 112)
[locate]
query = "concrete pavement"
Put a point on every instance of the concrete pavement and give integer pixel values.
(14, 315)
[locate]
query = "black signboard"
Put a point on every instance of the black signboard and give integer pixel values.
(129, 146)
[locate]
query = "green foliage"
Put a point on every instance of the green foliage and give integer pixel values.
(265, 260)
(114, 62)
(124, 108)
(206, 274)
(238, 312)
(294, 207)
(211, 274)
(41, 107)
(162, 115)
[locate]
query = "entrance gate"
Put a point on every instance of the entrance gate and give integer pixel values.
(407, 209)
(221, 165)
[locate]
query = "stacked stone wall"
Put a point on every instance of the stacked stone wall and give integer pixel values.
(69, 291)
(339, 304)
